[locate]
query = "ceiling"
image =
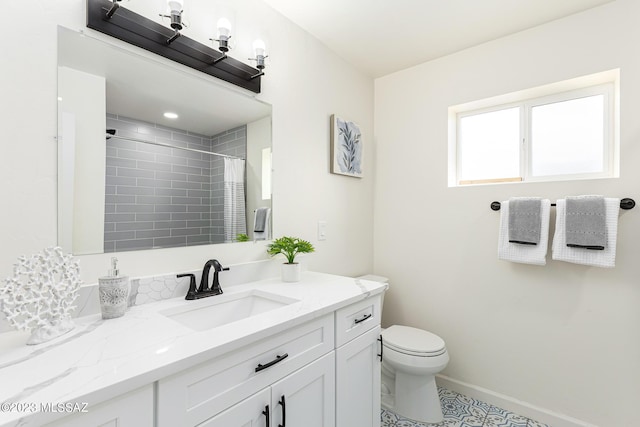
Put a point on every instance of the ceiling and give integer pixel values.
(142, 88)
(381, 37)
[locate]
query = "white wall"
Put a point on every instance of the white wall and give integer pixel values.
(562, 337)
(304, 82)
(90, 149)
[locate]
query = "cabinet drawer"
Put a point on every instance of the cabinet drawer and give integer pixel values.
(356, 319)
(192, 396)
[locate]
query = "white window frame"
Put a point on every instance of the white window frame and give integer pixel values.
(605, 84)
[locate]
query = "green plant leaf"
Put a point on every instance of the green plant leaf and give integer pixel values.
(289, 247)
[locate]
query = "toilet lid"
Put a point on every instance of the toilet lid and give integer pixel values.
(412, 340)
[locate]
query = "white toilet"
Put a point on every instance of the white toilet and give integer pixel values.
(411, 358)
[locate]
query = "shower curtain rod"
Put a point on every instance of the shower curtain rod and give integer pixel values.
(161, 144)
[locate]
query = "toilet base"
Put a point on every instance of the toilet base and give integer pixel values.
(413, 397)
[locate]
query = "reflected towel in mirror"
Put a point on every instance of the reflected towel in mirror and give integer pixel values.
(260, 219)
(261, 224)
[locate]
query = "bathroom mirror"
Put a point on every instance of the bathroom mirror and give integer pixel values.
(131, 178)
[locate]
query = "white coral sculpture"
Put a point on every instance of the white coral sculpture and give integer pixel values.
(39, 296)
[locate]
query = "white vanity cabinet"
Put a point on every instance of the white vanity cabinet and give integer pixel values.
(323, 373)
(358, 364)
(290, 363)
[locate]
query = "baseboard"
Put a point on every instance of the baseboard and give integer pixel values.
(519, 407)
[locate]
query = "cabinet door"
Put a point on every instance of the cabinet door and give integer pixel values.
(306, 398)
(134, 409)
(251, 412)
(358, 381)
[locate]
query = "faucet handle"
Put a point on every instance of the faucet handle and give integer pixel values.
(215, 286)
(191, 294)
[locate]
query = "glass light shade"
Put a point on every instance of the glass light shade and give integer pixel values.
(259, 47)
(224, 27)
(175, 5)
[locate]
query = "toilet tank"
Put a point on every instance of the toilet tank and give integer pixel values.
(375, 278)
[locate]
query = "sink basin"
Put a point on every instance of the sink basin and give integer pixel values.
(214, 311)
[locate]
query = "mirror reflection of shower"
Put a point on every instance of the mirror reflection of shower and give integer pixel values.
(166, 187)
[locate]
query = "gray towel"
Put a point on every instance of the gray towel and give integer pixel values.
(586, 225)
(261, 219)
(524, 220)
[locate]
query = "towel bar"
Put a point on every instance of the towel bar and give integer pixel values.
(625, 204)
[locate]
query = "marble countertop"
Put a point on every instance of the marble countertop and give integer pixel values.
(102, 359)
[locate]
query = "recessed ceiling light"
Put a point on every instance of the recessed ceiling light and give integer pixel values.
(169, 115)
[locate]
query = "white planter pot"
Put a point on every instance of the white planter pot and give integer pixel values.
(291, 272)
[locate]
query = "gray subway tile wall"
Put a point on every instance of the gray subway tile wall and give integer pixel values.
(158, 197)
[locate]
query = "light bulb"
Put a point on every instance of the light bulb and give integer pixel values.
(259, 47)
(224, 28)
(175, 5)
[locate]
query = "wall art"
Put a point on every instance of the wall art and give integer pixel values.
(347, 149)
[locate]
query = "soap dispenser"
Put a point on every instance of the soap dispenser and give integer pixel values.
(114, 292)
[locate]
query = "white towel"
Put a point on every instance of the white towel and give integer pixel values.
(525, 254)
(605, 258)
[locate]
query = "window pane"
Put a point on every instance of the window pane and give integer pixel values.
(568, 137)
(489, 145)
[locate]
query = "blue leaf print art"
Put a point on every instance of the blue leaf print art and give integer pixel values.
(349, 148)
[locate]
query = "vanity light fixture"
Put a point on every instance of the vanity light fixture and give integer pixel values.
(110, 18)
(175, 10)
(114, 7)
(224, 34)
(259, 49)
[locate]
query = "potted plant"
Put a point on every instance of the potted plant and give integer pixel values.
(242, 237)
(290, 247)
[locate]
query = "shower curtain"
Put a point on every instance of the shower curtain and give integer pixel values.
(234, 206)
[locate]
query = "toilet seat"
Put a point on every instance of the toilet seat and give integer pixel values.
(413, 341)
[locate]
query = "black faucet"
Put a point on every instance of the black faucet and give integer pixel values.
(204, 280)
(203, 290)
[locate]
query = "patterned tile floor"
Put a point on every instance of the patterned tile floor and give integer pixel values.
(462, 411)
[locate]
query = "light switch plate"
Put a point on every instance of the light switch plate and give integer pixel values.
(322, 230)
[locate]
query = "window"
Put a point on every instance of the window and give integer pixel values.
(561, 135)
